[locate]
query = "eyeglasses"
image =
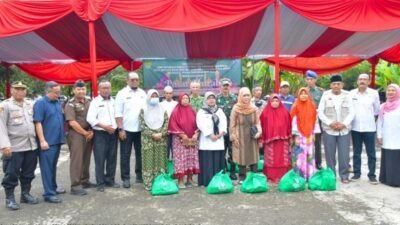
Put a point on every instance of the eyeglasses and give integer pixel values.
(134, 79)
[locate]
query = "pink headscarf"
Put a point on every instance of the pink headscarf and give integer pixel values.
(391, 103)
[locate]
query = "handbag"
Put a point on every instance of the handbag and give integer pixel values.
(253, 131)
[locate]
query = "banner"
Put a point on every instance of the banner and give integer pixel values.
(180, 73)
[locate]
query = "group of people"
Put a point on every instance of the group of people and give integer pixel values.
(202, 135)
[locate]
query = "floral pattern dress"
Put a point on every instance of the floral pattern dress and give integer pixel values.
(154, 153)
(303, 155)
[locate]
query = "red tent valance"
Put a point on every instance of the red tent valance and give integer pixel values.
(320, 65)
(351, 15)
(392, 54)
(185, 15)
(67, 73)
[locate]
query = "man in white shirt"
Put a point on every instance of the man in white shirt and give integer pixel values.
(128, 103)
(169, 105)
(336, 114)
(102, 119)
(366, 106)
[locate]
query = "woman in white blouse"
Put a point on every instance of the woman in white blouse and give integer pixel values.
(388, 130)
(212, 124)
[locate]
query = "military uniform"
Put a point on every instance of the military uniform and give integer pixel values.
(80, 148)
(226, 103)
(17, 131)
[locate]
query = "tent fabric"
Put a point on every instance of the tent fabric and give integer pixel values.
(67, 73)
(320, 65)
(21, 16)
(350, 15)
(185, 16)
(56, 31)
(391, 55)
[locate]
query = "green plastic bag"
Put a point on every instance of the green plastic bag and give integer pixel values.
(170, 167)
(220, 183)
(323, 180)
(164, 185)
(254, 183)
(292, 182)
(228, 168)
(260, 165)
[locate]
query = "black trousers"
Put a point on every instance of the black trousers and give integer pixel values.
(105, 156)
(317, 145)
(126, 150)
(20, 165)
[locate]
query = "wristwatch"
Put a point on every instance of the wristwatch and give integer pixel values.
(120, 129)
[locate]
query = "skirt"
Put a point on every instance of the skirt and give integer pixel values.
(390, 167)
(211, 162)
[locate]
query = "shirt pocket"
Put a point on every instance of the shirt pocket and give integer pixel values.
(16, 118)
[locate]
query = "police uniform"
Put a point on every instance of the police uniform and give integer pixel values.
(80, 148)
(226, 103)
(17, 131)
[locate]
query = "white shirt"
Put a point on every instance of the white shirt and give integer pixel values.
(169, 106)
(206, 127)
(366, 107)
(101, 111)
(389, 129)
(337, 101)
(128, 104)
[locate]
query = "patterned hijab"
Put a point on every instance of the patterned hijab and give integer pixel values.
(305, 113)
(242, 107)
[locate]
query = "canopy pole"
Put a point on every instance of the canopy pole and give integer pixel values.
(93, 57)
(8, 84)
(277, 53)
(373, 71)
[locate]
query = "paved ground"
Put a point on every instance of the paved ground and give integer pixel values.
(356, 203)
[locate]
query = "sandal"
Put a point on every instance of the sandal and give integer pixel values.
(182, 186)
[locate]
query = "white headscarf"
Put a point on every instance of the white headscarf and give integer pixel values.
(153, 114)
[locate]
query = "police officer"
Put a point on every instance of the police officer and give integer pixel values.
(79, 139)
(225, 101)
(19, 146)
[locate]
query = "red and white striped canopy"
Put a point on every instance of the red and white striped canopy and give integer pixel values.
(344, 32)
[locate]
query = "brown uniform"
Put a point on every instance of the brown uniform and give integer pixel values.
(80, 149)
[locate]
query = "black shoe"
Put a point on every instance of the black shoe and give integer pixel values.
(233, 176)
(61, 190)
(29, 199)
(100, 188)
(355, 177)
(11, 204)
(52, 199)
(126, 184)
(113, 185)
(373, 180)
(78, 192)
(88, 185)
(319, 167)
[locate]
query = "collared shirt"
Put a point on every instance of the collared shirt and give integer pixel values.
(77, 111)
(206, 126)
(331, 100)
(288, 101)
(197, 103)
(101, 111)
(49, 113)
(128, 104)
(169, 106)
(226, 103)
(316, 94)
(16, 126)
(366, 107)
